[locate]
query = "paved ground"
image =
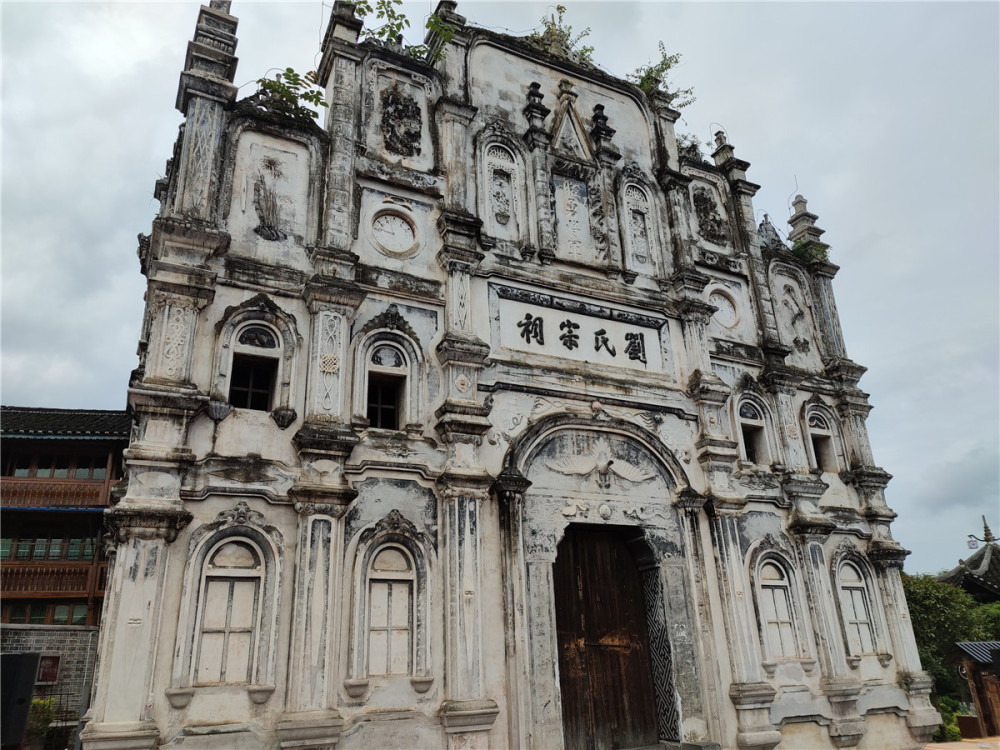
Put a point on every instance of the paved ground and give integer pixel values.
(988, 743)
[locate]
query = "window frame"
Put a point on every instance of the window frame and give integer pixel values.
(832, 449)
(789, 590)
(761, 426)
(411, 382)
(855, 649)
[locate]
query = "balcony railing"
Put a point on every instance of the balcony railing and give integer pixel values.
(46, 579)
(48, 493)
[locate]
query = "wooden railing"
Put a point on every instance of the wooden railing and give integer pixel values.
(49, 493)
(46, 579)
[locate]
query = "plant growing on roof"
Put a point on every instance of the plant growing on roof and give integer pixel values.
(394, 22)
(287, 91)
(652, 78)
(556, 37)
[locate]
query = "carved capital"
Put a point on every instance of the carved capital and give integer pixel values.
(321, 499)
(887, 553)
(453, 485)
(462, 422)
(459, 234)
(325, 439)
(511, 485)
(127, 522)
(463, 349)
(334, 291)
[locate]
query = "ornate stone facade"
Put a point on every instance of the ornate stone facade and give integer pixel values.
(407, 379)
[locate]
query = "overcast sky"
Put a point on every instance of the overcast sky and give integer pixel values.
(886, 117)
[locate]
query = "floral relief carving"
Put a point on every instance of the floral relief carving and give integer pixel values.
(402, 122)
(267, 202)
(710, 223)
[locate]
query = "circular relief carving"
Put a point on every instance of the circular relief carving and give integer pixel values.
(394, 234)
(726, 314)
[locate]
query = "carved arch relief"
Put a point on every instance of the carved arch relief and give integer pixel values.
(390, 606)
(228, 622)
(614, 474)
(503, 197)
(794, 315)
(270, 193)
(710, 215)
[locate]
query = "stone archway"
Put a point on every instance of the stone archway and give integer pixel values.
(606, 475)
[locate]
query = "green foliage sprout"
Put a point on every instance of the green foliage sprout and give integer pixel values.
(689, 147)
(556, 37)
(652, 79)
(394, 22)
(41, 714)
(808, 252)
(288, 90)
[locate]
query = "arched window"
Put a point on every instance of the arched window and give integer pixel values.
(391, 606)
(229, 614)
(387, 371)
(855, 610)
(777, 619)
(822, 441)
(755, 447)
(388, 379)
(255, 357)
(391, 584)
(227, 621)
(254, 368)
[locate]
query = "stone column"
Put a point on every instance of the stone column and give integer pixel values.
(829, 319)
(467, 714)
(206, 90)
(463, 418)
(338, 72)
(454, 118)
(607, 156)
(543, 662)
(838, 685)
(921, 718)
(509, 490)
(124, 702)
(311, 721)
(538, 140)
(750, 691)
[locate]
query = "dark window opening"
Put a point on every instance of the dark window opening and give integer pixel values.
(823, 452)
(384, 400)
(252, 382)
(754, 449)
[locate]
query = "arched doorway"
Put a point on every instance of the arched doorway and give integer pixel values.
(605, 673)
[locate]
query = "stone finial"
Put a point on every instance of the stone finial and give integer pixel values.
(987, 534)
(723, 151)
(210, 65)
(602, 134)
(566, 91)
(803, 223)
(769, 237)
(223, 5)
(536, 112)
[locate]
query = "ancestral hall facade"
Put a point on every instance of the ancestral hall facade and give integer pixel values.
(481, 417)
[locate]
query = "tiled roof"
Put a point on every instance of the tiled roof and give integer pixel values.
(92, 424)
(982, 568)
(981, 651)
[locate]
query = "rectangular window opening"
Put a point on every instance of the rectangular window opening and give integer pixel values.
(754, 446)
(823, 452)
(252, 382)
(385, 394)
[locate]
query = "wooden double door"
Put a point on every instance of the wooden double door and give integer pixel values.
(605, 673)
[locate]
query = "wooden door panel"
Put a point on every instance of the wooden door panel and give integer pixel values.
(604, 661)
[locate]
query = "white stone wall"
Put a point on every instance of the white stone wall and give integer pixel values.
(585, 331)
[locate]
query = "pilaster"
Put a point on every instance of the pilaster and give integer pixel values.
(462, 418)
(340, 75)
(311, 720)
(539, 139)
(123, 698)
(607, 156)
(206, 89)
(468, 714)
(454, 119)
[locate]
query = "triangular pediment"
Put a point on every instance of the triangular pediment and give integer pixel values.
(568, 134)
